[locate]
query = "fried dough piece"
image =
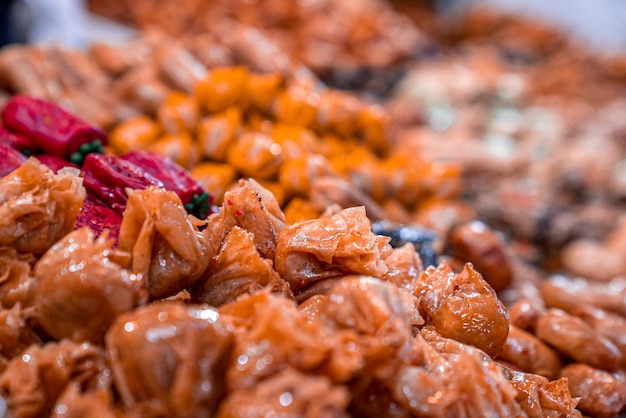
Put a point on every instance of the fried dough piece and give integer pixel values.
(38, 207)
(540, 398)
(328, 247)
(254, 208)
(81, 288)
(32, 382)
(289, 394)
(448, 378)
(17, 282)
(405, 267)
(74, 403)
(534, 395)
(464, 307)
(15, 334)
(237, 269)
(270, 334)
(168, 359)
(166, 247)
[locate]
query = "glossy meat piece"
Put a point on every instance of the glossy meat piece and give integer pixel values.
(404, 267)
(81, 288)
(328, 247)
(478, 244)
(254, 208)
(168, 359)
(578, 340)
(32, 382)
(464, 307)
(237, 269)
(166, 247)
(568, 294)
(527, 353)
(38, 207)
(17, 282)
(602, 394)
(288, 394)
(108, 178)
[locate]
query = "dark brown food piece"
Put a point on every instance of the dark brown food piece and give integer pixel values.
(478, 244)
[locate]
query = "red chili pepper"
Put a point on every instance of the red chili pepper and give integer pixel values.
(10, 159)
(175, 178)
(16, 141)
(107, 176)
(99, 218)
(55, 163)
(52, 128)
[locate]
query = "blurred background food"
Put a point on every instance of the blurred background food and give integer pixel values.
(481, 131)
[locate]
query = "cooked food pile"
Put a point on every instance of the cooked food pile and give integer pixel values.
(238, 313)
(197, 223)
